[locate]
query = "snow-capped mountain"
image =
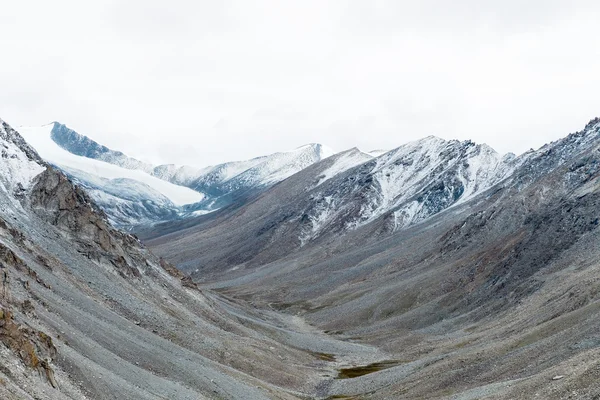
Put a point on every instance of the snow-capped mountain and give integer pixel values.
(217, 180)
(228, 182)
(402, 186)
(128, 196)
(134, 193)
(344, 193)
(384, 196)
(224, 183)
(406, 185)
(343, 162)
(20, 163)
(377, 153)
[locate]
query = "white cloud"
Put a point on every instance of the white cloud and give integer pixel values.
(202, 82)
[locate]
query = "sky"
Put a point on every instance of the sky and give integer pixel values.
(202, 82)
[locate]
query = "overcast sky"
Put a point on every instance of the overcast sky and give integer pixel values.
(202, 82)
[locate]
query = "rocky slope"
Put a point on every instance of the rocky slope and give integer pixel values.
(490, 290)
(86, 311)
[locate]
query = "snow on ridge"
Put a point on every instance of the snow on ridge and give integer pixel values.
(476, 168)
(424, 146)
(322, 150)
(40, 139)
(17, 169)
(376, 152)
(230, 170)
(279, 166)
(400, 171)
(178, 174)
(465, 168)
(343, 162)
(410, 183)
(260, 171)
(169, 180)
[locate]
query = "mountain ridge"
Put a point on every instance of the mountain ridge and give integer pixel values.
(217, 186)
(400, 188)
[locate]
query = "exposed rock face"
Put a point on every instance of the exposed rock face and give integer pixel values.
(35, 348)
(9, 135)
(59, 202)
(9, 259)
(68, 207)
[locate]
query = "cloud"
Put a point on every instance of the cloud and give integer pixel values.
(206, 81)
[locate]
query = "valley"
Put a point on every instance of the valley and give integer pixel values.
(439, 269)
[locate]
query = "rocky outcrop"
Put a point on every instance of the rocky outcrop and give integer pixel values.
(66, 206)
(35, 349)
(62, 204)
(185, 279)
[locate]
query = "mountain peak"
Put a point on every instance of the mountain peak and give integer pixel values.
(319, 149)
(19, 162)
(81, 145)
(77, 143)
(10, 135)
(433, 138)
(594, 123)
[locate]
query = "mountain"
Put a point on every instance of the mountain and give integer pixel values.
(83, 146)
(128, 196)
(87, 312)
(475, 274)
(134, 193)
(230, 182)
(394, 191)
(406, 185)
(322, 285)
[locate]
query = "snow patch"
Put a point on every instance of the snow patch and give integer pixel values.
(344, 162)
(322, 216)
(406, 215)
(16, 169)
(202, 212)
(376, 153)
